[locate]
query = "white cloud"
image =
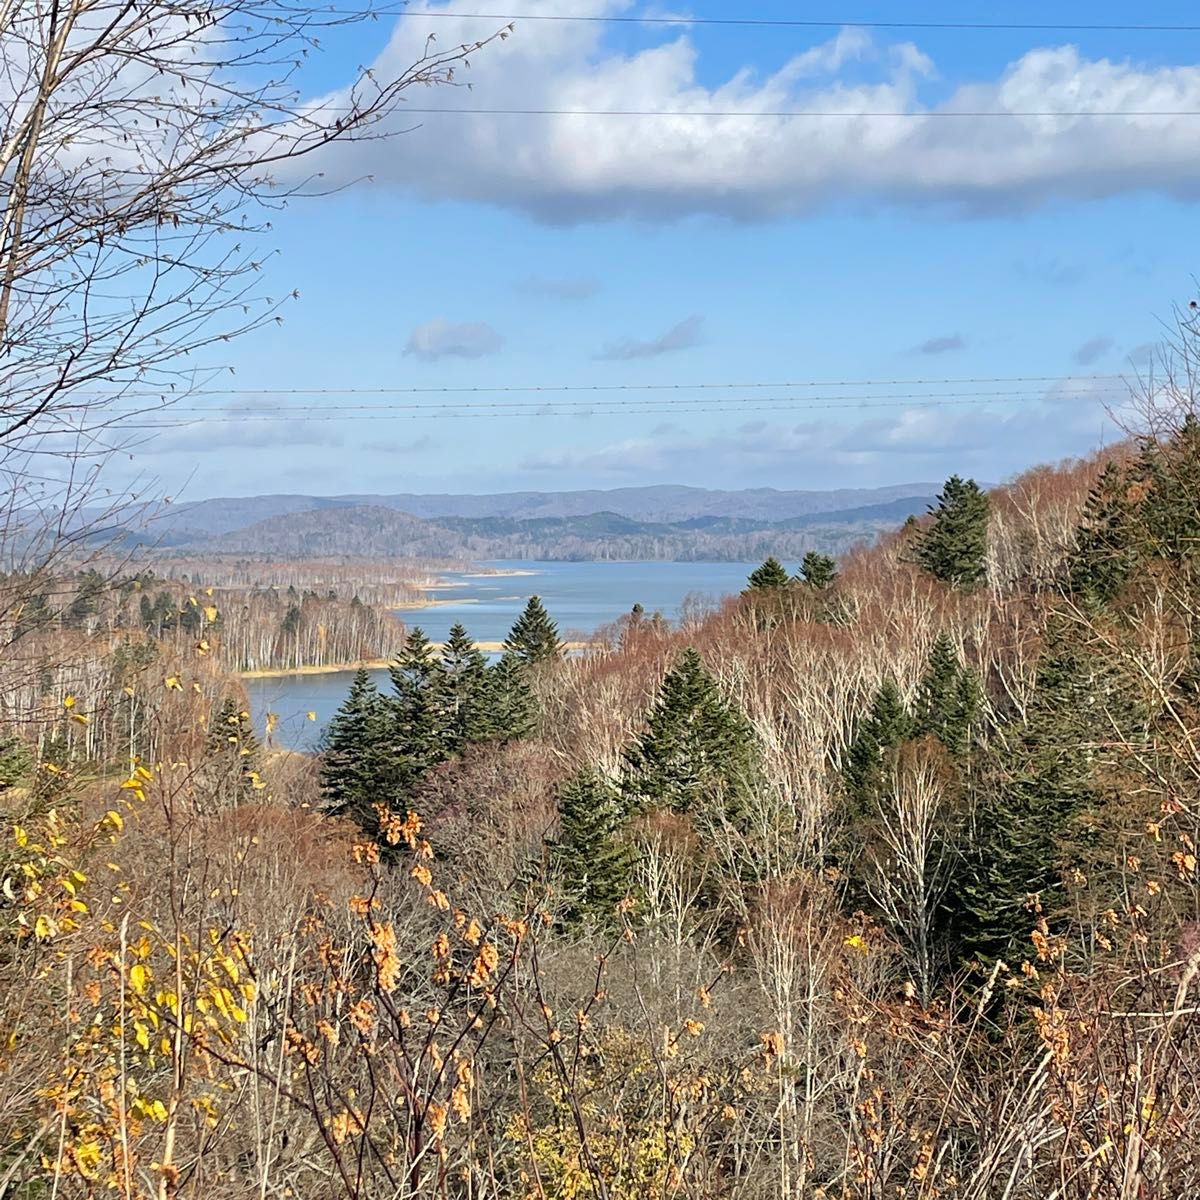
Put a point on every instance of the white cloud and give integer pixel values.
(1092, 350)
(683, 336)
(445, 339)
(565, 168)
(946, 344)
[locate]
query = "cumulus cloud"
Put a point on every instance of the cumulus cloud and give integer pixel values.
(716, 156)
(688, 333)
(440, 338)
(1092, 350)
(946, 344)
(559, 289)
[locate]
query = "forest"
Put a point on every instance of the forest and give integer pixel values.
(880, 881)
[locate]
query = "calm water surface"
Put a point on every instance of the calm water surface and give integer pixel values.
(580, 597)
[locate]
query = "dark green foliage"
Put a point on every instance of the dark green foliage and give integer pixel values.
(358, 771)
(462, 700)
(87, 595)
(418, 729)
(591, 859)
(290, 624)
(509, 707)
(1034, 800)
(232, 746)
(534, 637)
(1104, 554)
(947, 700)
(954, 547)
(698, 751)
(818, 571)
(1169, 475)
(770, 575)
(879, 735)
(16, 761)
(34, 614)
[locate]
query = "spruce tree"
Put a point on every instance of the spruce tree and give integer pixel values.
(509, 707)
(818, 571)
(769, 576)
(419, 734)
(1104, 553)
(887, 724)
(697, 752)
(948, 698)
(462, 684)
(954, 548)
(232, 746)
(589, 856)
(357, 773)
(16, 761)
(534, 637)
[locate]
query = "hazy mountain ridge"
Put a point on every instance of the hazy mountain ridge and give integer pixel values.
(662, 503)
(378, 531)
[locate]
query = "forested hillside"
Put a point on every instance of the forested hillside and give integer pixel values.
(881, 881)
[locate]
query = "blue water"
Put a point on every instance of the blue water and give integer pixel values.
(580, 597)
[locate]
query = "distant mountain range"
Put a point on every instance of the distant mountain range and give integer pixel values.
(661, 522)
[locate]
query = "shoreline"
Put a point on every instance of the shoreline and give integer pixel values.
(372, 664)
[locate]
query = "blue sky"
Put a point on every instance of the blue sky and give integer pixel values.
(520, 251)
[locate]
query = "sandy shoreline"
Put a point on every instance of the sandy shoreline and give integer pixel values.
(371, 664)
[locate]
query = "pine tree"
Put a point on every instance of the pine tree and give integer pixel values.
(231, 744)
(1100, 565)
(954, 548)
(461, 699)
(886, 726)
(591, 859)
(509, 707)
(698, 751)
(16, 761)
(534, 637)
(770, 575)
(948, 698)
(818, 571)
(419, 736)
(357, 773)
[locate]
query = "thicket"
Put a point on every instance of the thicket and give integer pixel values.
(879, 881)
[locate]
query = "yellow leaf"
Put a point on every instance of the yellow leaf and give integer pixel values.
(208, 591)
(142, 1034)
(210, 613)
(312, 716)
(172, 682)
(272, 721)
(68, 702)
(79, 718)
(44, 927)
(20, 836)
(138, 978)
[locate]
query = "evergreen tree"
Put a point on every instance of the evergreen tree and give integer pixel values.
(357, 771)
(509, 707)
(954, 547)
(1170, 514)
(770, 575)
(233, 748)
(462, 699)
(16, 761)
(1033, 804)
(698, 751)
(1103, 558)
(887, 724)
(534, 637)
(948, 698)
(419, 735)
(818, 571)
(589, 856)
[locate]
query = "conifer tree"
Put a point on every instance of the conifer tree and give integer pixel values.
(589, 856)
(509, 707)
(356, 771)
(462, 683)
(1104, 553)
(534, 637)
(954, 548)
(16, 761)
(770, 575)
(419, 735)
(948, 698)
(887, 724)
(234, 748)
(818, 571)
(697, 752)
(1045, 779)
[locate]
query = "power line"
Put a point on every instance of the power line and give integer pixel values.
(813, 114)
(784, 22)
(788, 385)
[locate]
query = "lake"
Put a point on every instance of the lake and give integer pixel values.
(580, 597)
